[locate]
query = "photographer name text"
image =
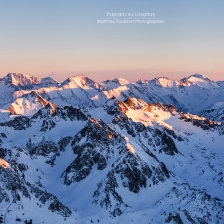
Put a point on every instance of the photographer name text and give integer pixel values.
(130, 18)
(130, 14)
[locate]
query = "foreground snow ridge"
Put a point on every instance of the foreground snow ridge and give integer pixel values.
(79, 151)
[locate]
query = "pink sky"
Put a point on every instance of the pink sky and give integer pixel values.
(63, 39)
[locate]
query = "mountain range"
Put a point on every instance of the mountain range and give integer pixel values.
(79, 151)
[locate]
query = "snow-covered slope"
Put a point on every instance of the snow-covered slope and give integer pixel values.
(126, 166)
(214, 112)
(133, 158)
(221, 83)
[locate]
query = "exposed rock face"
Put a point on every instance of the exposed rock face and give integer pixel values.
(19, 123)
(134, 176)
(63, 143)
(168, 145)
(12, 110)
(93, 148)
(205, 124)
(174, 218)
(200, 202)
(16, 187)
(106, 193)
(45, 149)
(54, 204)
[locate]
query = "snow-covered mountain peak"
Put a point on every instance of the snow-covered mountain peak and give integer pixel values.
(121, 81)
(79, 79)
(197, 78)
(115, 83)
(28, 104)
(201, 81)
(142, 81)
(48, 81)
(83, 82)
(164, 82)
(21, 80)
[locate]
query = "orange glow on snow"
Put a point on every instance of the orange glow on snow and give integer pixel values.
(3, 163)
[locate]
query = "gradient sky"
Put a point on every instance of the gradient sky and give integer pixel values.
(62, 38)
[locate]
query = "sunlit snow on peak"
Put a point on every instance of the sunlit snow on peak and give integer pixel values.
(200, 80)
